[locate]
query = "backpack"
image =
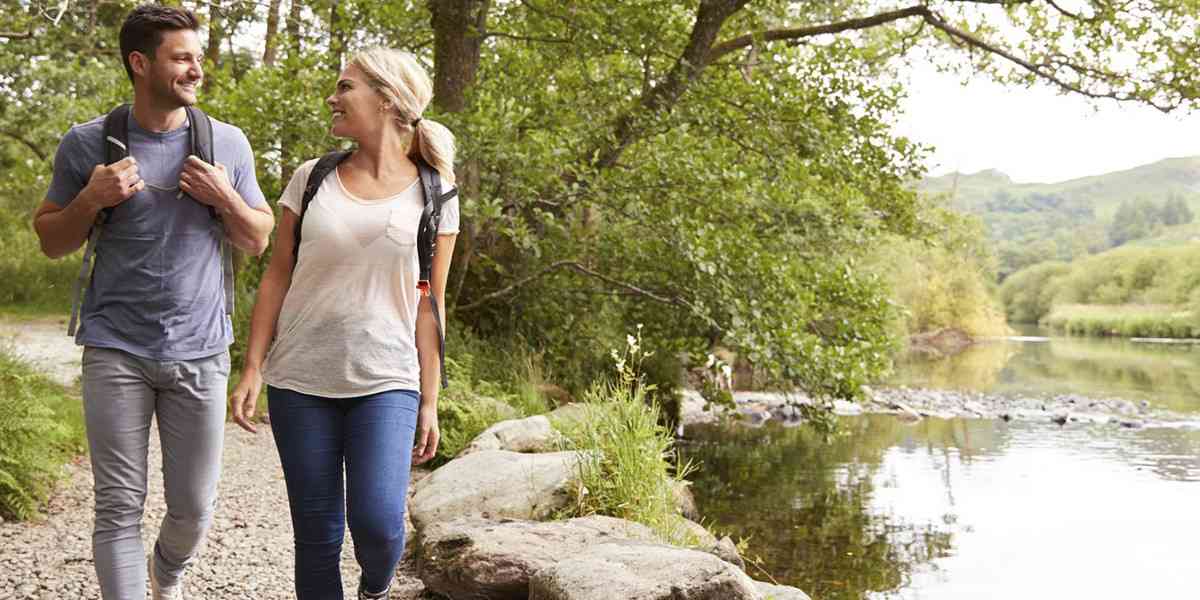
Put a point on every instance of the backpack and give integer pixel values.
(431, 217)
(116, 136)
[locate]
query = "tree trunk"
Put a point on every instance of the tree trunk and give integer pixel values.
(272, 30)
(337, 36)
(293, 26)
(216, 35)
(459, 27)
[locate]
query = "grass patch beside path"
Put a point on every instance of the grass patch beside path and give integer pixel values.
(41, 427)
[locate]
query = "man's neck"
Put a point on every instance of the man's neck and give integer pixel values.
(156, 118)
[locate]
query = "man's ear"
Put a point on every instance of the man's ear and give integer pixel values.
(140, 63)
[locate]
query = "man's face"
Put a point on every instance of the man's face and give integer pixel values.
(174, 76)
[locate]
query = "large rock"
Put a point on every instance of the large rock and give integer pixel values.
(533, 434)
(478, 558)
(495, 484)
(779, 592)
(684, 500)
(641, 571)
(568, 415)
(695, 535)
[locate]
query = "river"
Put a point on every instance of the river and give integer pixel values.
(975, 508)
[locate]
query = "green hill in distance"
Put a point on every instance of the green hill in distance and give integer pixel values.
(1030, 223)
(1103, 192)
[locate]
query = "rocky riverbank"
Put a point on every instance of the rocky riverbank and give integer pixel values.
(758, 408)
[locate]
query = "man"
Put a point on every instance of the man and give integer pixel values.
(154, 325)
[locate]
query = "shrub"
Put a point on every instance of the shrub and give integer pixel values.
(40, 428)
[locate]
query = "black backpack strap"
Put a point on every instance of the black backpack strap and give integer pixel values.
(427, 233)
(325, 165)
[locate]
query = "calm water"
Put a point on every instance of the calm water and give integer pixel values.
(975, 508)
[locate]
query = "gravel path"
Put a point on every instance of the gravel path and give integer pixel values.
(44, 344)
(249, 549)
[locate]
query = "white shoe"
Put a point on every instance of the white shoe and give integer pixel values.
(161, 593)
(364, 595)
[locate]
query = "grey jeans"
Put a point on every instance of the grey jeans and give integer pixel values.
(121, 394)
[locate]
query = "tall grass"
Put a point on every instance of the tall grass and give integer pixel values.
(41, 427)
(1130, 320)
(627, 470)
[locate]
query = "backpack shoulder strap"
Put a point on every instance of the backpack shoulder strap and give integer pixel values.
(431, 216)
(200, 131)
(200, 134)
(116, 134)
(116, 148)
(325, 165)
(427, 233)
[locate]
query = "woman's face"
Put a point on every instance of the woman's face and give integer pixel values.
(357, 108)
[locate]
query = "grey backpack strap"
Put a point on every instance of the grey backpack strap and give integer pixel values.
(84, 279)
(116, 148)
(227, 274)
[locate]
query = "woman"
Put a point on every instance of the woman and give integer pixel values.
(353, 371)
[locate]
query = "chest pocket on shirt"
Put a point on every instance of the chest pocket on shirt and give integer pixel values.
(402, 228)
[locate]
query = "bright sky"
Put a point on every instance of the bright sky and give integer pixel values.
(1037, 135)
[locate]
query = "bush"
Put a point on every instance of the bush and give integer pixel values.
(471, 403)
(41, 427)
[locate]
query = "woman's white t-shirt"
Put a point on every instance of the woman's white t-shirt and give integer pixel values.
(348, 323)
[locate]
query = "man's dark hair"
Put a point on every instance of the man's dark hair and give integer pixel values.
(144, 27)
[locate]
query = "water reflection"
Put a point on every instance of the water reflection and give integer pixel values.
(958, 509)
(1166, 375)
(804, 505)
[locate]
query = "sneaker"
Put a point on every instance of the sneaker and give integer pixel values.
(363, 594)
(158, 592)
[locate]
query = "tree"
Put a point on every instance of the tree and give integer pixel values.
(715, 169)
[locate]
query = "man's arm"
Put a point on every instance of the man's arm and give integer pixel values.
(62, 230)
(248, 227)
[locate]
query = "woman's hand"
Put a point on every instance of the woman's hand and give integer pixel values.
(428, 435)
(244, 399)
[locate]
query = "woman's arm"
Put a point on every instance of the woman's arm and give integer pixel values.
(267, 304)
(428, 434)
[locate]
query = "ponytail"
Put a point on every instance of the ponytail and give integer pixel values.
(401, 80)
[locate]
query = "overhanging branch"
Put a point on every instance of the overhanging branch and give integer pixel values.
(26, 142)
(814, 30)
(581, 269)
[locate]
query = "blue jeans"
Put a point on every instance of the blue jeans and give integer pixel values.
(373, 437)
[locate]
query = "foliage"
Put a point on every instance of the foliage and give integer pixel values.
(480, 396)
(40, 427)
(1129, 291)
(942, 282)
(1028, 295)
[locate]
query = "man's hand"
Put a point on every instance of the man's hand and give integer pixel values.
(428, 435)
(110, 185)
(206, 183)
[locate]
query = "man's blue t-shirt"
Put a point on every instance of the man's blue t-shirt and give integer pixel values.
(156, 288)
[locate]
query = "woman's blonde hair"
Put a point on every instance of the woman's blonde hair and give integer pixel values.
(401, 80)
